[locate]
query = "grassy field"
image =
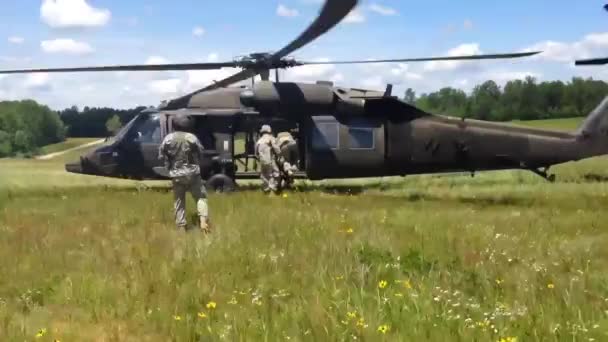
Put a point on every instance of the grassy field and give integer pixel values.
(498, 257)
(67, 144)
(568, 124)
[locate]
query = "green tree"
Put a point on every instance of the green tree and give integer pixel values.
(113, 124)
(410, 96)
(484, 101)
(6, 147)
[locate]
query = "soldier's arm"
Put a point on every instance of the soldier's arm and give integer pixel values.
(196, 144)
(162, 154)
(276, 151)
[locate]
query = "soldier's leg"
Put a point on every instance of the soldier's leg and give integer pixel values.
(265, 176)
(179, 204)
(199, 193)
(274, 179)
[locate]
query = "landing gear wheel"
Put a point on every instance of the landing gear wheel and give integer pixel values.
(221, 183)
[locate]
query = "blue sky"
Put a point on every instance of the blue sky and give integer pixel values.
(54, 33)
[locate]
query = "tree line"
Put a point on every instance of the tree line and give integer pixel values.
(25, 126)
(94, 121)
(518, 100)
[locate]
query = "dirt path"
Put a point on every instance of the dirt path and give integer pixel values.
(55, 154)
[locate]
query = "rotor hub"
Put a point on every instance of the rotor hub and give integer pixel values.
(264, 61)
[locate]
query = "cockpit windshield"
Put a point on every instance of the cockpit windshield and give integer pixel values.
(123, 131)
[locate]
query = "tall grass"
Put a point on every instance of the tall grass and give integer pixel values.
(428, 258)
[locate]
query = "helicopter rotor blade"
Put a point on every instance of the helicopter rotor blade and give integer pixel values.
(332, 13)
(135, 67)
(429, 59)
(182, 101)
(592, 61)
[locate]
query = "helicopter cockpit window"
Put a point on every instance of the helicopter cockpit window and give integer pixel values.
(361, 137)
(325, 136)
(148, 131)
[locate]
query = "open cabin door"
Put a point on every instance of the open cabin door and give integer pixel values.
(345, 147)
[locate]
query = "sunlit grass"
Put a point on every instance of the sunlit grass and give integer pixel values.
(67, 144)
(502, 256)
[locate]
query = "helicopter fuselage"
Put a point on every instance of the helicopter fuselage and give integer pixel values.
(340, 133)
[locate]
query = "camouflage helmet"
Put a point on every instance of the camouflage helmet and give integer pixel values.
(265, 129)
(182, 122)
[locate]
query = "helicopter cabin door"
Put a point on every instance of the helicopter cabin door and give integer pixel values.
(345, 147)
(149, 138)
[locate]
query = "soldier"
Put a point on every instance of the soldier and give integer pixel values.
(181, 152)
(289, 150)
(268, 153)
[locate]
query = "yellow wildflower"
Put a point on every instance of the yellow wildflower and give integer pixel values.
(233, 301)
(351, 314)
(211, 305)
(202, 315)
(407, 284)
(508, 339)
(361, 323)
(41, 332)
(339, 277)
(382, 284)
(177, 318)
(284, 195)
(550, 286)
(383, 329)
(399, 294)
(349, 231)
(257, 301)
(499, 281)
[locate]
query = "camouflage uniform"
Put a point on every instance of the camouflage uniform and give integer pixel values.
(181, 152)
(268, 152)
(288, 145)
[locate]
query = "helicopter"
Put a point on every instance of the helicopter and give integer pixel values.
(340, 132)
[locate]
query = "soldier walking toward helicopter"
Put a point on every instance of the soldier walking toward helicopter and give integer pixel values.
(181, 152)
(268, 153)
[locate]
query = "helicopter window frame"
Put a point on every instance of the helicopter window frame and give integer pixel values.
(323, 136)
(155, 134)
(366, 139)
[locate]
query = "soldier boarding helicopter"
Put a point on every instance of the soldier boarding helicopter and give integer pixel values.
(340, 132)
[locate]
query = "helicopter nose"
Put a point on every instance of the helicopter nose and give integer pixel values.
(74, 167)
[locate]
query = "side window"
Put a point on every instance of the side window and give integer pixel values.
(325, 136)
(361, 137)
(149, 130)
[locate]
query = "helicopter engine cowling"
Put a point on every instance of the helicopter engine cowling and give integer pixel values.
(286, 99)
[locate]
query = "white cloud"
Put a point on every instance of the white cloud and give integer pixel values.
(68, 46)
(72, 13)
(355, 17)
(555, 51)
(284, 11)
(403, 72)
(165, 87)
(198, 31)
(37, 81)
(16, 40)
(382, 10)
(463, 49)
(213, 57)
(502, 76)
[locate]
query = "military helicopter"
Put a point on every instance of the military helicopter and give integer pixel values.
(340, 132)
